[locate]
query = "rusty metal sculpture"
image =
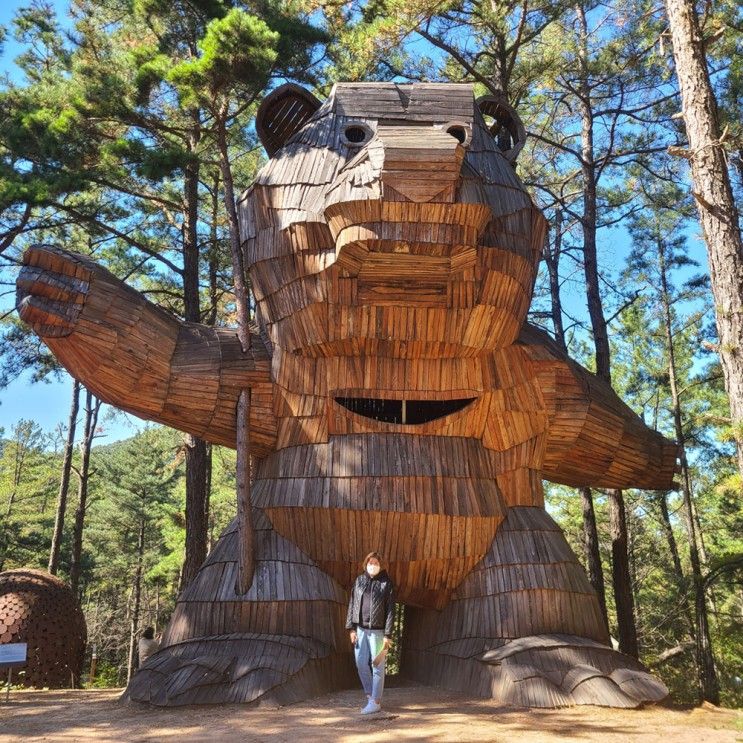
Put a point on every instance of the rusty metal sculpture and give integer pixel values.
(39, 609)
(398, 402)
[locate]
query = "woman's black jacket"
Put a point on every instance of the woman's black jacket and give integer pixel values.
(382, 612)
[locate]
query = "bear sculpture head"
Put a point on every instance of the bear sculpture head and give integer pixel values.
(389, 221)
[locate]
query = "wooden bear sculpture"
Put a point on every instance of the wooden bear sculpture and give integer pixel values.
(399, 403)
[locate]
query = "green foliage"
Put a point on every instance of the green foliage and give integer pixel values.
(135, 481)
(36, 26)
(28, 484)
(152, 163)
(22, 350)
(107, 675)
(151, 69)
(237, 51)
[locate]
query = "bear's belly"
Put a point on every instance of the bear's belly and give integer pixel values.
(429, 505)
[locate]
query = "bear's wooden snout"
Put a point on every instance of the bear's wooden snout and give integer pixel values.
(421, 164)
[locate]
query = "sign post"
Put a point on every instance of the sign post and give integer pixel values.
(93, 662)
(12, 654)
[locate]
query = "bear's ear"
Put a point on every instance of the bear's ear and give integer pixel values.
(282, 113)
(504, 124)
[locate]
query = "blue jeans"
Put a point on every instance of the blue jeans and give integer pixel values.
(369, 642)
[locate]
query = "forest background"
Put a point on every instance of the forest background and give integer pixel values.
(121, 123)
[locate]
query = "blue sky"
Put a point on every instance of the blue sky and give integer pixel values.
(8, 9)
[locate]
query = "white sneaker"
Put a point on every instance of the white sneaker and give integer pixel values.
(371, 708)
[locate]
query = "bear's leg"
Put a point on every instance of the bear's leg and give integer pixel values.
(524, 628)
(283, 641)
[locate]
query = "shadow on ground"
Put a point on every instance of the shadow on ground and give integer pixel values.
(411, 713)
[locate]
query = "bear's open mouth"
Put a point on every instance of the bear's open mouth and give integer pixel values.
(404, 412)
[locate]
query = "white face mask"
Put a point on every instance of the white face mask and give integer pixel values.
(372, 570)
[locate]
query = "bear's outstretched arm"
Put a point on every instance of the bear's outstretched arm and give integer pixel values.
(594, 438)
(138, 357)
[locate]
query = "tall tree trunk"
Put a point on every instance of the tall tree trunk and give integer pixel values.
(64, 484)
(703, 644)
(665, 518)
(136, 601)
(678, 573)
(190, 236)
(92, 406)
(713, 193)
(591, 550)
(196, 448)
(552, 260)
(213, 252)
(11, 500)
(702, 547)
(197, 510)
(590, 260)
(620, 575)
(238, 266)
(621, 580)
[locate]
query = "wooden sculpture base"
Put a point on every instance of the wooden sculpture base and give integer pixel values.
(523, 628)
(281, 642)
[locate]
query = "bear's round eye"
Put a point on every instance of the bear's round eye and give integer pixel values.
(355, 134)
(459, 133)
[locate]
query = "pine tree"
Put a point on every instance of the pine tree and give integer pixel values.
(138, 481)
(713, 195)
(660, 251)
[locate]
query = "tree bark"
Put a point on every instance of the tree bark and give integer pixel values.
(620, 575)
(156, 621)
(708, 682)
(213, 253)
(197, 509)
(197, 461)
(238, 267)
(92, 406)
(64, 484)
(590, 216)
(713, 193)
(552, 260)
(591, 550)
(703, 643)
(678, 572)
(191, 236)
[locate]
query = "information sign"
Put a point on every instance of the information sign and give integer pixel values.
(13, 654)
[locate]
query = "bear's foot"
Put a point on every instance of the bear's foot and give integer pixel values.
(551, 670)
(241, 668)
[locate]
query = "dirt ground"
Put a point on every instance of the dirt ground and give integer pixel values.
(412, 713)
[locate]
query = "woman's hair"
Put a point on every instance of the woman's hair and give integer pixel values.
(149, 633)
(372, 555)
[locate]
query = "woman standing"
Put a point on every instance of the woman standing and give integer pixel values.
(147, 645)
(371, 613)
